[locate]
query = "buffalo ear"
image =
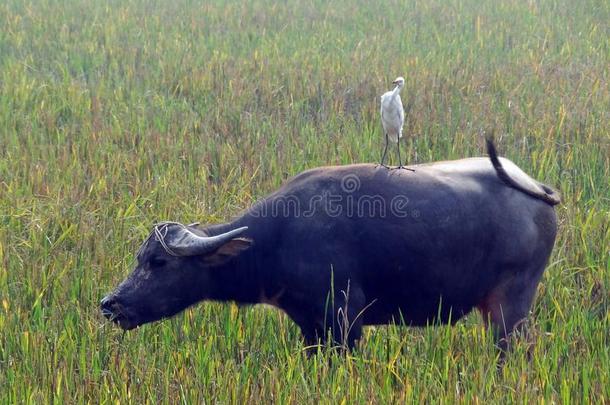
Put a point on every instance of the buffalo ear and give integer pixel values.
(228, 250)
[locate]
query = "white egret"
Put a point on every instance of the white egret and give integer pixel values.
(393, 117)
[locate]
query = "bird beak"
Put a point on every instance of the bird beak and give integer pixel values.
(394, 82)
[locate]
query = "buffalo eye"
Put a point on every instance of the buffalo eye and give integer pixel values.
(157, 262)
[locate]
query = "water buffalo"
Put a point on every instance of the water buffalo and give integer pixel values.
(340, 247)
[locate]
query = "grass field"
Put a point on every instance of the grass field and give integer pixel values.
(116, 114)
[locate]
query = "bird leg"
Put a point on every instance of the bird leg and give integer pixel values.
(398, 145)
(400, 166)
(385, 150)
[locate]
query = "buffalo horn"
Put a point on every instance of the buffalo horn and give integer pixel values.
(183, 242)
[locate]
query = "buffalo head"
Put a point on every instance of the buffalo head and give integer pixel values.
(174, 270)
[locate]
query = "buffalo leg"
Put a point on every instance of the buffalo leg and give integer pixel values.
(313, 338)
(506, 307)
(339, 320)
(344, 320)
(313, 333)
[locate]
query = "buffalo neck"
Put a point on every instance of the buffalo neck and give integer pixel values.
(237, 278)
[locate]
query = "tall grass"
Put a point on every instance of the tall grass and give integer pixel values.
(117, 114)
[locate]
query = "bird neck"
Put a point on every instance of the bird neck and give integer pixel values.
(396, 90)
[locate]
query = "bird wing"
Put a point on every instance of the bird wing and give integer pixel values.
(399, 109)
(392, 113)
(385, 98)
(384, 106)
